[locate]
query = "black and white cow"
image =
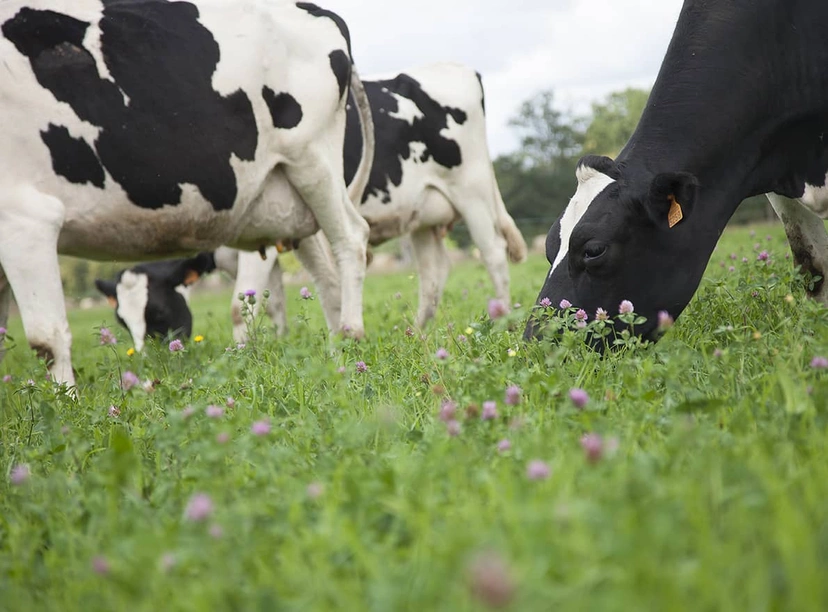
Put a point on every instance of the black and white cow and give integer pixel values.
(431, 167)
(147, 128)
(166, 285)
(739, 108)
(157, 294)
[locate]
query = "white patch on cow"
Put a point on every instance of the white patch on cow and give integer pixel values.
(406, 110)
(184, 291)
(92, 43)
(133, 294)
(417, 150)
(815, 197)
(591, 182)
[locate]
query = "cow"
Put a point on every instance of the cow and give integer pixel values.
(739, 108)
(162, 299)
(141, 129)
(431, 167)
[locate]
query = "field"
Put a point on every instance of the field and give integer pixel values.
(320, 488)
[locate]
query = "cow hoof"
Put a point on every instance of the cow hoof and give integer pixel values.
(352, 333)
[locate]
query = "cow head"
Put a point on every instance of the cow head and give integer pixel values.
(625, 236)
(153, 299)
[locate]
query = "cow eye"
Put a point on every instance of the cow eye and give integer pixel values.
(594, 251)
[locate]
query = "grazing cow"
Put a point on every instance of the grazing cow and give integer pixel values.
(739, 108)
(148, 128)
(431, 167)
(162, 302)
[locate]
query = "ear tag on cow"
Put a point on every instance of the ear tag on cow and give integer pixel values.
(190, 277)
(674, 215)
(112, 301)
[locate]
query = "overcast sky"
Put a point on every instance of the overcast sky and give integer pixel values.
(583, 49)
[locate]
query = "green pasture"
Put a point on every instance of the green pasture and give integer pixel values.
(315, 488)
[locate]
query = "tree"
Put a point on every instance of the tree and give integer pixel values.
(548, 136)
(614, 120)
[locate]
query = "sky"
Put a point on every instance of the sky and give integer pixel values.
(581, 49)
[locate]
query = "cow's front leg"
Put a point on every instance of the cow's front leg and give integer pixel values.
(808, 240)
(433, 267)
(314, 253)
(252, 274)
(29, 226)
(276, 305)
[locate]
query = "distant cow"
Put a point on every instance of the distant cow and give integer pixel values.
(431, 167)
(739, 108)
(147, 128)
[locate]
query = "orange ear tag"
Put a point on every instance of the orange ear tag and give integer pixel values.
(675, 215)
(112, 301)
(190, 277)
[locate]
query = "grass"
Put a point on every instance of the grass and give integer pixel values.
(358, 499)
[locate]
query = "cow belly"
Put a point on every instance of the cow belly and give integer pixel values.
(112, 228)
(414, 204)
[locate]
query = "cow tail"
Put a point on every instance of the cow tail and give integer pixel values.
(356, 189)
(515, 243)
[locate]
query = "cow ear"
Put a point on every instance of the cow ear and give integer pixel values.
(192, 269)
(671, 199)
(109, 289)
(589, 164)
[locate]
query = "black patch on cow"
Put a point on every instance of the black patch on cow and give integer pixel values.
(482, 91)
(394, 137)
(341, 66)
(175, 128)
(285, 111)
(317, 11)
(72, 158)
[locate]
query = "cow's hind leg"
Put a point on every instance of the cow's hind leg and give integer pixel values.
(314, 253)
(319, 181)
(433, 268)
(479, 214)
(808, 240)
(5, 303)
(29, 226)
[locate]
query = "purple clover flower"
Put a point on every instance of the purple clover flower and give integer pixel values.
(579, 398)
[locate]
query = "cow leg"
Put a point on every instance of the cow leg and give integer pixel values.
(433, 268)
(808, 240)
(320, 185)
(29, 226)
(478, 214)
(251, 273)
(314, 253)
(5, 302)
(276, 309)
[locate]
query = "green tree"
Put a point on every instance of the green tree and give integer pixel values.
(614, 120)
(548, 137)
